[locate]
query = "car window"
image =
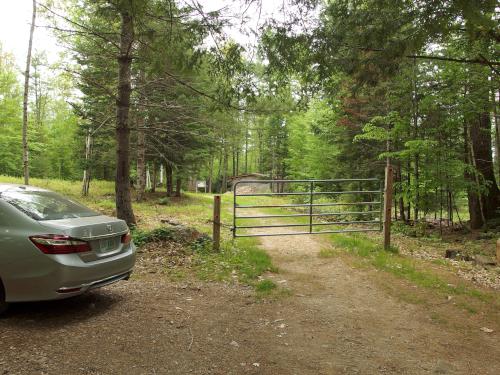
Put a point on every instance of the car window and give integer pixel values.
(46, 205)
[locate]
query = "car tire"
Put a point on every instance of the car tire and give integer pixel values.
(3, 305)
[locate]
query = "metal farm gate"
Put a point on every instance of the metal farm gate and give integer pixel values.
(317, 200)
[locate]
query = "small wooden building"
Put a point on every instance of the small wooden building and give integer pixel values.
(248, 187)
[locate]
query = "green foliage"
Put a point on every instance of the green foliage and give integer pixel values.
(243, 260)
(165, 201)
(395, 80)
(367, 81)
(265, 286)
(10, 116)
(159, 234)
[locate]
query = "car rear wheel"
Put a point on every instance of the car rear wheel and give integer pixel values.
(3, 305)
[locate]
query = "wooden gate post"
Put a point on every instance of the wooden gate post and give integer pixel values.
(216, 222)
(387, 206)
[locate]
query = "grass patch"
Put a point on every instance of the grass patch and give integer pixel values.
(265, 286)
(440, 262)
(438, 318)
(402, 267)
(243, 261)
(327, 253)
(176, 274)
(472, 310)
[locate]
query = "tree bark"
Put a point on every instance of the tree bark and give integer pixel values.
(170, 181)
(246, 148)
(155, 177)
(141, 159)
(482, 207)
(237, 162)
(234, 161)
(408, 182)
(124, 209)
(399, 179)
(223, 187)
(87, 169)
(497, 131)
(178, 184)
(210, 173)
(25, 100)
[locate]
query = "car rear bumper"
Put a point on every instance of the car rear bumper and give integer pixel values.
(63, 276)
(78, 289)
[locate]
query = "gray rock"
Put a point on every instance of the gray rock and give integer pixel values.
(171, 222)
(484, 260)
(457, 255)
(452, 254)
(443, 367)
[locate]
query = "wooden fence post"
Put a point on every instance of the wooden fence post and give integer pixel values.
(387, 206)
(216, 222)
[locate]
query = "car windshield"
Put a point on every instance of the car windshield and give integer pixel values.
(46, 205)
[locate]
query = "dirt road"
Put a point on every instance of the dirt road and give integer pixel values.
(350, 326)
(337, 321)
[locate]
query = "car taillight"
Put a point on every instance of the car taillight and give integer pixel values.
(126, 238)
(59, 244)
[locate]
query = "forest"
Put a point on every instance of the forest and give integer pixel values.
(158, 92)
(134, 238)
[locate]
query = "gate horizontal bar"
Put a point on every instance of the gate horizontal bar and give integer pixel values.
(307, 215)
(309, 193)
(304, 181)
(307, 225)
(307, 205)
(301, 233)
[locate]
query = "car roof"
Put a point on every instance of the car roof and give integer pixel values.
(9, 187)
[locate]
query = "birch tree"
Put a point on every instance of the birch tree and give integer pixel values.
(25, 99)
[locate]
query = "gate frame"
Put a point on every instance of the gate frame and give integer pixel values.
(311, 193)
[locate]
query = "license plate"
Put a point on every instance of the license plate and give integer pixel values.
(107, 244)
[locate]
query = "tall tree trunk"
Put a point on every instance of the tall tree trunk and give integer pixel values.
(155, 177)
(148, 177)
(417, 190)
(223, 187)
(141, 158)
(399, 179)
(234, 161)
(415, 115)
(87, 169)
(210, 173)
(178, 184)
(25, 100)
(237, 161)
(246, 148)
(497, 131)
(124, 209)
(450, 207)
(476, 211)
(37, 96)
(170, 181)
(482, 207)
(261, 158)
(219, 168)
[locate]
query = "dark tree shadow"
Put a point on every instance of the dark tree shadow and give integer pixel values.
(54, 314)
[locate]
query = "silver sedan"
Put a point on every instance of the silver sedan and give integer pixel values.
(52, 247)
